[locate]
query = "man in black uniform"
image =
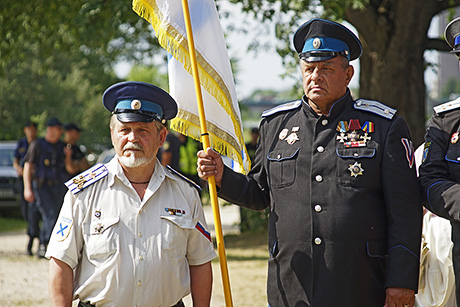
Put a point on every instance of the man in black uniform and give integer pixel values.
(339, 177)
(44, 176)
(440, 168)
(29, 210)
(77, 158)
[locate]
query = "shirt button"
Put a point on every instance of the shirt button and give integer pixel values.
(320, 149)
(139, 283)
(319, 178)
(141, 258)
(324, 122)
(318, 241)
(318, 208)
(140, 234)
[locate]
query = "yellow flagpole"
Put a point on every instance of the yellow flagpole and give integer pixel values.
(206, 144)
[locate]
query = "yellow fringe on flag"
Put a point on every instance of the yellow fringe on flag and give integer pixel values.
(176, 44)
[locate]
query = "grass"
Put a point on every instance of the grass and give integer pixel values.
(8, 224)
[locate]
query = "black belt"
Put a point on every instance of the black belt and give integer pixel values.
(81, 304)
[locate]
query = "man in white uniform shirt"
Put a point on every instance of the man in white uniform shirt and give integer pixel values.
(132, 232)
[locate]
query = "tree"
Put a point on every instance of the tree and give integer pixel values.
(56, 59)
(394, 38)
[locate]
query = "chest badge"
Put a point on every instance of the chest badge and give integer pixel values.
(356, 169)
(178, 212)
(454, 138)
(353, 134)
(99, 228)
(283, 134)
(292, 137)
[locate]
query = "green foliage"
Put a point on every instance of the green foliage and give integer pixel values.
(253, 221)
(56, 59)
(452, 86)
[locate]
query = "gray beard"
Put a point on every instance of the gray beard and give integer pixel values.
(133, 162)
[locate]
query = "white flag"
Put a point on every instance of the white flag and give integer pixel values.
(222, 112)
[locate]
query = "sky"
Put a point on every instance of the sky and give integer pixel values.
(261, 70)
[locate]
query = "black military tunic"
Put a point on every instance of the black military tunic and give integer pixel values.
(440, 172)
(345, 218)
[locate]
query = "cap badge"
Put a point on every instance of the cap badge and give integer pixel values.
(136, 104)
(356, 169)
(316, 43)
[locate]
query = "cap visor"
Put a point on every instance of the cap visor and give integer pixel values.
(134, 117)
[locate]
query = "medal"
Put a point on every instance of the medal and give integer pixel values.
(353, 136)
(97, 214)
(354, 124)
(292, 138)
(368, 127)
(342, 137)
(365, 137)
(283, 134)
(356, 169)
(454, 138)
(342, 126)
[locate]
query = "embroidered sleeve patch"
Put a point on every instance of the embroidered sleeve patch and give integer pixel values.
(203, 231)
(410, 153)
(63, 227)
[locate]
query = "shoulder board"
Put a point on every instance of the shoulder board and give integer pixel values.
(191, 182)
(374, 107)
(282, 107)
(450, 105)
(87, 178)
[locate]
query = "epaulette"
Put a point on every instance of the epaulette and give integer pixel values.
(447, 106)
(375, 107)
(282, 107)
(191, 182)
(87, 178)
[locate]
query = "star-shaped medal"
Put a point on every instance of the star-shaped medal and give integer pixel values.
(356, 169)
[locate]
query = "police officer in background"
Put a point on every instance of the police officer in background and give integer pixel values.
(132, 230)
(440, 168)
(339, 177)
(29, 210)
(78, 160)
(44, 176)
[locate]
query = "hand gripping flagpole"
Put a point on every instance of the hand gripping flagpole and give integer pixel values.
(206, 144)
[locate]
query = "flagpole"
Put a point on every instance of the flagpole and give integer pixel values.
(206, 144)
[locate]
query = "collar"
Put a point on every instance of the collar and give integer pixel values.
(336, 109)
(115, 170)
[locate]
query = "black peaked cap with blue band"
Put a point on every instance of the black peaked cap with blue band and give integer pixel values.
(452, 35)
(134, 101)
(321, 40)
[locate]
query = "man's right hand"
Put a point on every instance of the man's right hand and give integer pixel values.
(210, 164)
(29, 195)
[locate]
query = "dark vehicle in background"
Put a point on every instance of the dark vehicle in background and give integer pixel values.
(9, 182)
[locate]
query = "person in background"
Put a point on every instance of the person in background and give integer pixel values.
(252, 145)
(339, 176)
(133, 231)
(440, 168)
(169, 152)
(44, 174)
(77, 158)
(29, 210)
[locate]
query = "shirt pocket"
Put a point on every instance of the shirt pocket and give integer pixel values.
(174, 234)
(282, 167)
(356, 166)
(102, 238)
